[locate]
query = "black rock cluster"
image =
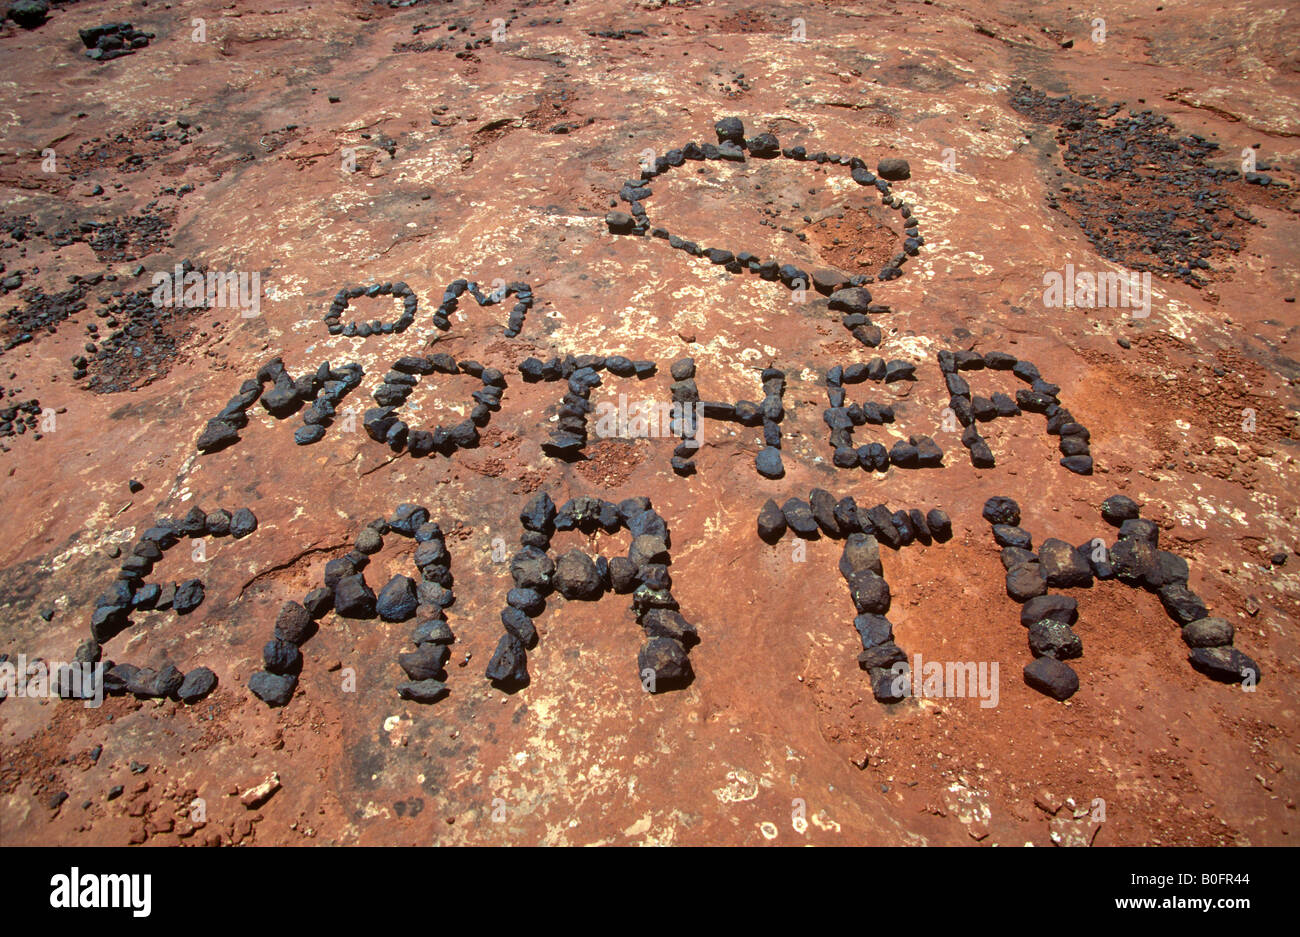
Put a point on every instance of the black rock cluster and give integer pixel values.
(1134, 559)
(862, 529)
(769, 414)
(732, 146)
(914, 452)
(1150, 199)
(143, 340)
(40, 311)
(569, 437)
(112, 41)
(383, 425)
(130, 593)
(854, 301)
(168, 683)
(325, 388)
(823, 514)
(522, 292)
(1049, 618)
(281, 657)
(29, 14)
(127, 238)
(662, 663)
(18, 417)
(1039, 397)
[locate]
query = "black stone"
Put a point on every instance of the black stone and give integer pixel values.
(242, 523)
(869, 591)
(799, 517)
(1025, 581)
(771, 522)
(1052, 677)
(294, 622)
(1051, 638)
(539, 513)
(197, 684)
(1226, 664)
(353, 598)
(189, 596)
(1063, 565)
(768, 463)
(397, 601)
(822, 504)
(730, 130)
(1001, 510)
(893, 169)
(508, 667)
(426, 662)
(281, 657)
(939, 523)
(272, 689)
(1117, 509)
(1062, 608)
(662, 665)
(874, 630)
(520, 625)
(422, 691)
(1182, 605)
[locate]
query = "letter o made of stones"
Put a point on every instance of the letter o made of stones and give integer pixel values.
(344, 297)
(739, 151)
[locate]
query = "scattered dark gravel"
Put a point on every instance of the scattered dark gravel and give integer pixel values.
(1146, 196)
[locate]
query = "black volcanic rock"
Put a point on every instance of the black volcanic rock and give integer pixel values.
(294, 622)
(422, 691)
(1063, 565)
(272, 689)
(197, 684)
(1062, 608)
(771, 522)
(576, 576)
(1052, 677)
(397, 601)
(1226, 664)
(1117, 509)
(508, 667)
(426, 662)
(1025, 581)
(1051, 638)
(1001, 510)
(730, 130)
(869, 591)
(893, 169)
(353, 598)
(799, 517)
(662, 664)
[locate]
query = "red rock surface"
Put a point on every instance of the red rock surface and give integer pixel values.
(779, 715)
